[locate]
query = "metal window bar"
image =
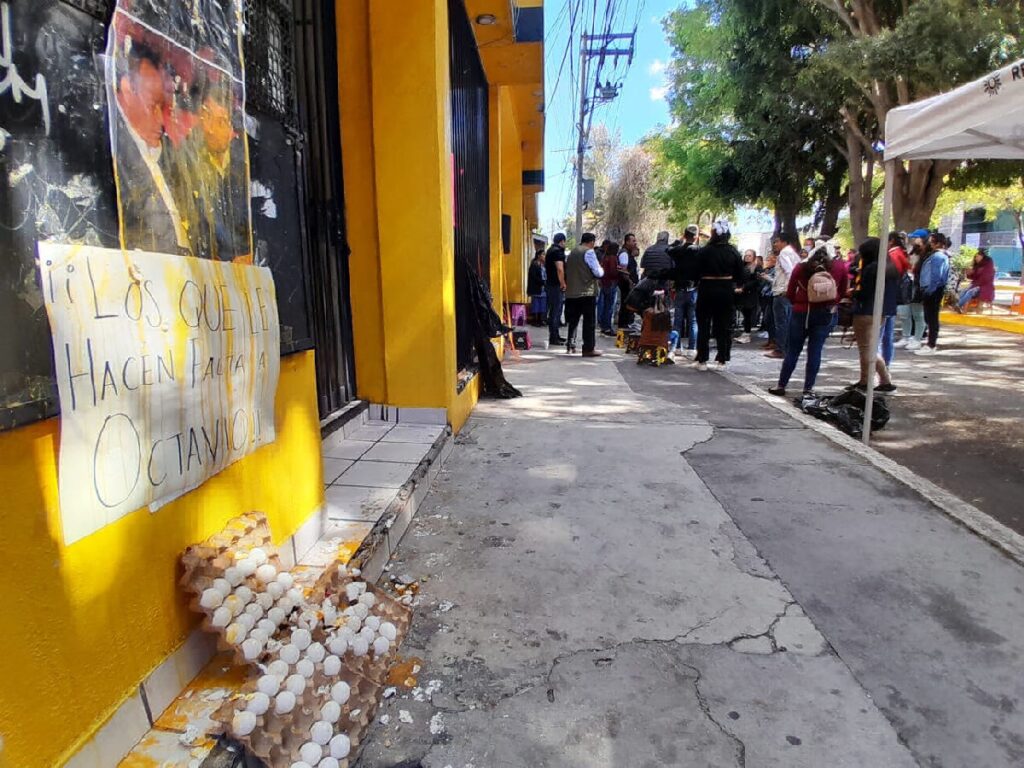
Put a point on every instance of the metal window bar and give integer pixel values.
(470, 167)
(98, 9)
(269, 56)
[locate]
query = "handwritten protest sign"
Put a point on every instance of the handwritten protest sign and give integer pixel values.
(167, 369)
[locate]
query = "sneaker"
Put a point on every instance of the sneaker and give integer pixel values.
(743, 339)
(702, 366)
(913, 344)
(720, 365)
(890, 387)
(762, 334)
(857, 385)
(678, 354)
(925, 351)
(901, 343)
(691, 354)
(777, 391)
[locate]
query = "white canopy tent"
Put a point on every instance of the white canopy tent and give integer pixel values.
(982, 120)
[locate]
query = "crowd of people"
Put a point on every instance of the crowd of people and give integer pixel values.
(792, 297)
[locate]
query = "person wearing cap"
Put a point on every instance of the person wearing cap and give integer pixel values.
(933, 276)
(720, 269)
(554, 269)
(685, 276)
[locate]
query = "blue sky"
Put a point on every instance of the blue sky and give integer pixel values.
(638, 110)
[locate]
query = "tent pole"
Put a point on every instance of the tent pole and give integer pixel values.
(876, 318)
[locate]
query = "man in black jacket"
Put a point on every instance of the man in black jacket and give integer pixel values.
(685, 276)
(554, 267)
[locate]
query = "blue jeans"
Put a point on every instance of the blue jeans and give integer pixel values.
(886, 339)
(782, 309)
(911, 318)
(813, 330)
(685, 307)
(556, 299)
(968, 294)
(606, 306)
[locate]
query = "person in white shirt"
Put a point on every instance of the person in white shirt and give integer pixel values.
(787, 255)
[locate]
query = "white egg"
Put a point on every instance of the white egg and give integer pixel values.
(330, 614)
(305, 668)
(360, 647)
(275, 590)
(302, 764)
(338, 645)
(247, 567)
(246, 621)
(266, 625)
(211, 598)
(361, 611)
(330, 711)
(315, 653)
(340, 746)
(388, 630)
(259, 635)
(311, 752)
(279, 669)
(258, 556)
(373, 622)
(235, 633)
(296, 684)
(353, 624)
(234, 604)
(332, 666)
(285, 604)
(381, 646)
(286, 580)
(277, 616)
(301, 639)
(329, 762)
(340, 692)
(233, 575)
(367, 634)
(251, 649)
(265, 600)
(284, 703)
(223, 586)
(320, 732)
(258, 704)
(347, 634)
(309, 620)
(254, 610)
(243, 723)
(353, 590)
(266, 573)
(295, 595)
(289, 653)
(245, 594)
(268, 684)
(368, 599)
(221, 617)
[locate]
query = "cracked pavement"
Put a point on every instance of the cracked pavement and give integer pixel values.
(588, 599)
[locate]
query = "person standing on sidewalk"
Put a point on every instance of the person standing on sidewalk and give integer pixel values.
(749, 296)
(656, 263)
(554, 268)
(911, 312)
(814, 291)
(629, 276)
(863, 313)
(609, 286)
(934, 276)
(721, 273)
(684, 318)
(582, 273)
(767, 299)
(785, 246)
(535, 281)
(887, 335)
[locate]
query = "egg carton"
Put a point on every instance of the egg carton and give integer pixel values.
(277, 739)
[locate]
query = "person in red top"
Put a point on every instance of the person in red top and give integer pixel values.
(814, 315)
(983, 281)
(887, 333)
(609, 256)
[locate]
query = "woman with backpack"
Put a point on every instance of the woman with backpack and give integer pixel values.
(863, 313)
(815, 288)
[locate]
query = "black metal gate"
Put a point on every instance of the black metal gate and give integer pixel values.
(471, 171)
(292, 86)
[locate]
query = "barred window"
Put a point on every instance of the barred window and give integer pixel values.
(268, 58)
(98, 9)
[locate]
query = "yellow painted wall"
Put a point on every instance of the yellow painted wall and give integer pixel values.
(512, 196)
(356, 102)
(83, 625)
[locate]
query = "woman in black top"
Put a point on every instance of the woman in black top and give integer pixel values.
(535, 280)
(721, 277)
(749, 298)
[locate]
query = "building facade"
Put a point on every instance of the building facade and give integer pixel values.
(395, 150)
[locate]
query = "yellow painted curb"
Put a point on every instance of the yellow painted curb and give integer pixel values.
(1010, 325)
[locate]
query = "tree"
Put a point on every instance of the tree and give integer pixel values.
(893, 52)
(630, 205)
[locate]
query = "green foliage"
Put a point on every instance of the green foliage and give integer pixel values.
(964, 258)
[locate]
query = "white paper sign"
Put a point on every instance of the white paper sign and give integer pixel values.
(167, 368)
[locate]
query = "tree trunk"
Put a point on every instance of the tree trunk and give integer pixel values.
(785, 218)
(833, 204)
(862, 171)
(918, 184)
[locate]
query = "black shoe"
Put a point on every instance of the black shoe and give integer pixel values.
(890, 387)
(557, 341)
(857, 385)
(777, 391)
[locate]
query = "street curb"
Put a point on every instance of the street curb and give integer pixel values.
(994, 532)
(1005, 324)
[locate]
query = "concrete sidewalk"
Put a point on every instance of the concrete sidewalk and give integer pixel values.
(589, 599)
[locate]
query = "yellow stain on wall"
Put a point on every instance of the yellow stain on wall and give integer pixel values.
(83, 625)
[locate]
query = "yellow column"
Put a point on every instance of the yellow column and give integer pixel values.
(497, 254)
(408, 45)
(512, 197)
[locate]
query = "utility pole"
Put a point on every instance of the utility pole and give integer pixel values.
(599, 47)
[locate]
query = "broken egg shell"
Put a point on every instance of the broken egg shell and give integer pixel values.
(340, 746)
(360, 646)
(289, 653)
(321, 732)
(233, 575)
(286, 580)
(211, 598)
(315, 653)
(301, 639)
(381, 646)
(251, 648)
(221, 617)
(332, 666)
(340, 692)
(330, 711)
(266, 573)
(259, 703)
(223, 586)
(389, 631)
(284, 702)
(305, 668)
(311, 752)
(269, 684)
(295, 684)
(243, 723)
